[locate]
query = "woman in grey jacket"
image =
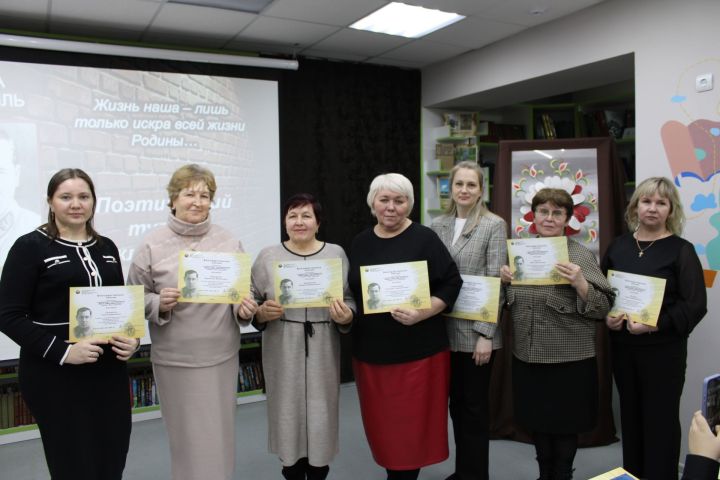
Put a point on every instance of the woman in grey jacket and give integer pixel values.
(476, 239)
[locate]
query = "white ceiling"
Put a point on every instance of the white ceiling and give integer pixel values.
(312, 28)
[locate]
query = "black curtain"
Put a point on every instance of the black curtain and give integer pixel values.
(342, 124)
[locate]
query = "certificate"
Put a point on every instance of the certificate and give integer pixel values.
(479, 299)
(213, 277)
(385, 287)
(639, 296)
(616, 474)
(533, 260)
(101, 312)
(308, 283)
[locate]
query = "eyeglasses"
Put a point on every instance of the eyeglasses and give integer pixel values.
(555, 214)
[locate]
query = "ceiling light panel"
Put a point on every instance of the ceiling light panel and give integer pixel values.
(406, 20)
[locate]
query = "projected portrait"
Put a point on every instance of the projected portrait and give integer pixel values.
(17, 155)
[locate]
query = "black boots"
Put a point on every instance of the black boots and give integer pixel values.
(545, 466)
(317, 473)
(302, 470)
(297, 471)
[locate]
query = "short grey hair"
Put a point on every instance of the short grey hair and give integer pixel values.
(394, 182)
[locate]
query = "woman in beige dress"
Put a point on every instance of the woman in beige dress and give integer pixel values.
(301, 349)
(194, 345)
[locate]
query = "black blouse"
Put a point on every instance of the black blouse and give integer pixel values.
(674, 259)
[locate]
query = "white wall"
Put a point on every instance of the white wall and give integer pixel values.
(672, 41)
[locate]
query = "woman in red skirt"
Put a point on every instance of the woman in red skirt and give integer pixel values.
(401, 357)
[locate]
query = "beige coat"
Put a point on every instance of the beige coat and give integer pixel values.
(302, 386)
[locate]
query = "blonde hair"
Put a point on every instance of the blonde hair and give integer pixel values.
(394, 182)
(664, 187)
(188, 175)
(479, 209)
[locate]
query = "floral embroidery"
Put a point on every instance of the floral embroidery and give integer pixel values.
(566, 179)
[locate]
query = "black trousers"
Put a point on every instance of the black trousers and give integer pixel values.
(650, 380)
(469, 411)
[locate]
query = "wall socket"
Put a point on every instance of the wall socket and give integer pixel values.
(704, 82)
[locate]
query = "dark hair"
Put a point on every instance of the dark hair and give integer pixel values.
(300, 200)
(558, 196)
(53, 184)
(81, 310)
(190, 272)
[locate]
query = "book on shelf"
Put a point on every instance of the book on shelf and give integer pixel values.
(466, 153)
(250, 377)
(548, 127)
(144, 391)
(615, 121)
(492, 132)
(462, 124)
(13, 410)
(443, 186)
(445, 154)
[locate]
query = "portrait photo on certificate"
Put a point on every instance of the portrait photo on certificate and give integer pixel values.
(533, 260)
(213, 277)
(308, 283)
(101, 312)
(393, 285)
(479, 299)
(638, 296)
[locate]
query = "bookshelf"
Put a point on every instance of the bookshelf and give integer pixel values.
(551, 121)
(605, 111)
(16, 423)
(477, 142)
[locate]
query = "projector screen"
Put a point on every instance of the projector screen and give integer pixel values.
(130, 130)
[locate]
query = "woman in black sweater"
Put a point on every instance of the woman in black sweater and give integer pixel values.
(649, 362)
(78, 393)
(401, 358)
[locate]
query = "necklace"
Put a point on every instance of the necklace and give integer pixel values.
(641, 251)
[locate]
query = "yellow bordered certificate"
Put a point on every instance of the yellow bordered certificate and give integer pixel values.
(533, 260)
(392, 285)
(616, 474)
(638, 296)
(479, 299)
(213, 277)
(308, 283)
(101, 312)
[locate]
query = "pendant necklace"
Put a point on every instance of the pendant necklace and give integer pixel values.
(641, 251)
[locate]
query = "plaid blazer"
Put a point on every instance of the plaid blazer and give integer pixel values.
(481, 250)
(551, 324)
